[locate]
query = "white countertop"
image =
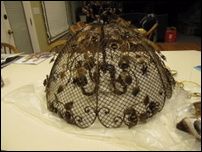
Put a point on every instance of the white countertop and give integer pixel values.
(183, 62)
(20, 131)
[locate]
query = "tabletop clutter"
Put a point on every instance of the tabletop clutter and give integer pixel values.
(21, 58)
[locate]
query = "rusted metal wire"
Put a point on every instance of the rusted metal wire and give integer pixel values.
(110, 72)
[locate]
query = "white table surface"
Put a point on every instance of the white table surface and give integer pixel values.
(21, 131)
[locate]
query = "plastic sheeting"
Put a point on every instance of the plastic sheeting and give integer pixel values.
(159, 133)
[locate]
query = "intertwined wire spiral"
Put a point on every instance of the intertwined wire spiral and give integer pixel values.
(108, 72)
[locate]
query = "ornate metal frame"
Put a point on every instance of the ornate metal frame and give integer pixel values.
(110, 72)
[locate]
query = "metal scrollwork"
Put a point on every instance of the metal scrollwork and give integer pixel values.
(118, 121)
(110, 72)
(130, 117)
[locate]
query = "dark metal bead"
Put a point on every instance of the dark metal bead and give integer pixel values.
(68, 116)
(81, 81)
(197, 126)
(50, 106)
(143, 117)
(60, 89)
(153, 107)
(124, 63)
(128, 79)
(146, 100)
(135, 91)
(144, 69)
(103, 67)
(68, 106)
(90, 63)
(160, 92)
(132, 118)
(110, 67)
(45, 82)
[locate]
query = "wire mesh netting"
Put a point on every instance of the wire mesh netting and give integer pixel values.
(108, 72)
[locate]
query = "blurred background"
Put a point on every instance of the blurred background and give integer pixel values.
(32, 26)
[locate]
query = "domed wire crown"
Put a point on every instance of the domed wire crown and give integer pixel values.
(109, 73)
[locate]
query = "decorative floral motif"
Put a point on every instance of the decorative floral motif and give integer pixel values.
(109, 72)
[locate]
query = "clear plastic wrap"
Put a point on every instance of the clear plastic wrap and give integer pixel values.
(159, 133)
